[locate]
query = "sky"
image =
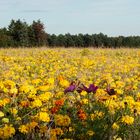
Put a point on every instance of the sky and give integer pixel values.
(111, 17)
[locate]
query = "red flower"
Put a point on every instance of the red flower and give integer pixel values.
(54, 109)
(59, 102)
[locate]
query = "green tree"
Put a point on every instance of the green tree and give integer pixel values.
(19, 31)
(5, 38)
(39, 33)
(69, 40)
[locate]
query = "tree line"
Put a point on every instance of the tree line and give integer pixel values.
(21, 34)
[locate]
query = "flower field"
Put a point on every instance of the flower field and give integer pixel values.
(70, 94)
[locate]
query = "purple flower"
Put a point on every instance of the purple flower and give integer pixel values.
(110, 91)
(71, 88)
(91, 88)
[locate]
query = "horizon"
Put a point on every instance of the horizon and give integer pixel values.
(110, 17)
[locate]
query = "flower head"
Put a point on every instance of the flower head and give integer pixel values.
(91, 88)
(71, 88)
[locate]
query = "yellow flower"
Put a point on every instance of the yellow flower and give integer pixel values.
(1, 114)
(83, 93)
(18, 119)
(61, 120)
(43, 88)
(9, 84)
(92, 116)
(71, 129)
(36, 81)
(96, 114)
(43, 129)
(36, 103)
(53, 136)
(23, 129)
(90, 133)
(138, 95)
(112, 105)
(14, 111)
(129, 100)
(115, 126)
(57, 131)
(43, 116)
(6, 101)
(64, 83)
(84, 101)
(51, 81)
(8, 131)
(127, 120)
(45, 96)
(13, 91)
(5, 120)
(117, 138)
(59, 94)
(26, 89)
(119, 91)
(31, 125)
(1, 103)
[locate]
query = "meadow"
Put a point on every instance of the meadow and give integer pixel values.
(69, 94)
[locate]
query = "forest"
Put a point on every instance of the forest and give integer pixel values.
(21, 34)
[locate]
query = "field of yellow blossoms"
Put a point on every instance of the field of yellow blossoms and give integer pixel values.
(70, 94)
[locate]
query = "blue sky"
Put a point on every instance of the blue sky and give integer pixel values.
(111, 17)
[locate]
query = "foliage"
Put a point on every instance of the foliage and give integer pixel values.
(20, 34)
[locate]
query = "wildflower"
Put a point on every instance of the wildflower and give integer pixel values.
(115, 126)
(127, 120)
(1, 114)
(36, 103)
(51, 81)
(57, 131)
(1, 103)
(45, 96)
(26, 88)
(96, 114)
(13, 91)
(43, 88)
(6, 101)
(117, 138)
(82, 115)
(54, 109)
(24, 103)
(5, 120)
(71, 129)
(36, 81)
(14, 111)
(8, 131)
(83, 93)
(110, 91)
(92, 116)
(64, 83)
(90, 133)
(119, 91)
(43, 129)
(71, 88)
(43, 116)
(84, 101)
(59, 102)
(91, 88)
(9, 84)
(31, 125)
(61, 120)
(23, 129)
(18, 119)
